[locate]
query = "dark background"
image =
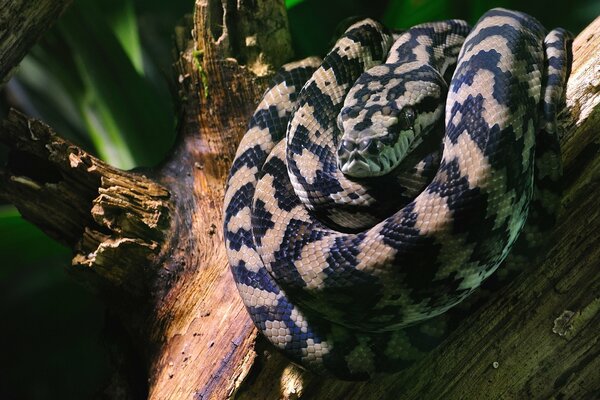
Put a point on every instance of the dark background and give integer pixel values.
(103, 79)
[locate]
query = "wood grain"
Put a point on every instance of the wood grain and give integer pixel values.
(22, 23)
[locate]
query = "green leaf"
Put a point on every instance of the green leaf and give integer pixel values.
(121, 18)
(130, 123)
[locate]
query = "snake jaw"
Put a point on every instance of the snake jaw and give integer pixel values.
(359, 167)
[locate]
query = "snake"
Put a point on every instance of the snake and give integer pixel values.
(377, 188)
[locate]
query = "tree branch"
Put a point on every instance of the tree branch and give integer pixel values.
(22, 23)
(152, 247)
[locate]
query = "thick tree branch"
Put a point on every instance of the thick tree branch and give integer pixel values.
(155, 240)
(114, 220)
(22, 23)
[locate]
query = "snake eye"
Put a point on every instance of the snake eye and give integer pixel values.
(368, 146)
(406, 119)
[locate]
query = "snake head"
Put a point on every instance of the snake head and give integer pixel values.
(385, 115)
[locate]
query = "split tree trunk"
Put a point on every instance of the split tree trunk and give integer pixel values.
(151, 244)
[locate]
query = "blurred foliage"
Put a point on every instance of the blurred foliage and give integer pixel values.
(51, 327)
(99, 83)
(102, 78)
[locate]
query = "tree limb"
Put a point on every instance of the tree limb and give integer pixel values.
(22, 23)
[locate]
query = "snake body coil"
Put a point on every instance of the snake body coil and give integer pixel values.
(357, 226)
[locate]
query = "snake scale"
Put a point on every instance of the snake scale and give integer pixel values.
(377, 188)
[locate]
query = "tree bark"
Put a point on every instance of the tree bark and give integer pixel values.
(22, 23)
(151, 244)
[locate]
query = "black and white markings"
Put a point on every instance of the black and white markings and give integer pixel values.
(330, 270)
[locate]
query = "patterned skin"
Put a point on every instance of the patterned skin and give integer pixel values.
(392, 107)
(329, 273)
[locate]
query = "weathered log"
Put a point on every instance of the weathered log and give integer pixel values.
(161, 233)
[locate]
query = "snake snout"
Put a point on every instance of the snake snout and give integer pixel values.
(359, 167)
(357, 158)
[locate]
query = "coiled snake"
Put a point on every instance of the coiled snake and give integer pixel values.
(360, 224)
